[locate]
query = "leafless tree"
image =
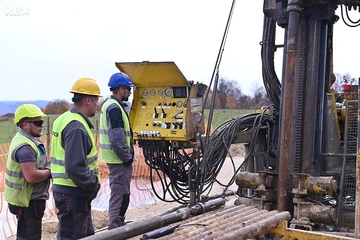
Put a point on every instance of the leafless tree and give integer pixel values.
(57, 107)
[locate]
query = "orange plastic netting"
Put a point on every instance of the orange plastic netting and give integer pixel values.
(141, 190)
(141, 187)
(141, 170)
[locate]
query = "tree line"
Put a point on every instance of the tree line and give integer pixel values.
(229, 95)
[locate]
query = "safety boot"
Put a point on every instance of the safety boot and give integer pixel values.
(122, 221)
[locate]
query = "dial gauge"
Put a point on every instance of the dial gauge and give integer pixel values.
(179, 104)
(168, 92)
(144, 92)
(197, 117)
(152, 92)
(160, 92)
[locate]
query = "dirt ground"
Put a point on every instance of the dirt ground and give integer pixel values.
(148, 210)
(154, 209)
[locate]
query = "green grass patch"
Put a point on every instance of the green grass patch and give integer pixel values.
(8, 129)
(222, 115)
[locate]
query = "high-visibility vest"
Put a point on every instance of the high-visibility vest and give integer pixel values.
(58, 172)
(17, 190)
(106, 152)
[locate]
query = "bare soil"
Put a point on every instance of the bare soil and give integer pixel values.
(159, 207)
(227, 171)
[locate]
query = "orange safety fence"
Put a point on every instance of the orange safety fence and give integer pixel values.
(141, 187)
(141, 170)
(141, 190)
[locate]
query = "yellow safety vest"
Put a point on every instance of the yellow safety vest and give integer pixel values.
(17, 190)
(106, 152)
(58, 172)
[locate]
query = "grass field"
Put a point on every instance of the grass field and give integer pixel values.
(8, 129)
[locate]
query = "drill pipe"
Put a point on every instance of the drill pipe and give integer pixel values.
(255, 229)
(287, 106)
(139, 227)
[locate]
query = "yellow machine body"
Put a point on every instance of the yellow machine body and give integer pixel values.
(164, 102)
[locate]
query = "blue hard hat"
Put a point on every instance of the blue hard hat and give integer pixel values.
(120, 79)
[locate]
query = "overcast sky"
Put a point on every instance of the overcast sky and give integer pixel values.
(53, 42)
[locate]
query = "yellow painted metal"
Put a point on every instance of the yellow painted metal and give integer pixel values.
(162, 101)
(292, 234)
(145, 74)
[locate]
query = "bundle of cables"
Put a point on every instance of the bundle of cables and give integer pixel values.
(221, 139)
(173, 165)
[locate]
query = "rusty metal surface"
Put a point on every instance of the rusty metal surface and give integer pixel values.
(321, 185)
(287, 108)
(229, 222)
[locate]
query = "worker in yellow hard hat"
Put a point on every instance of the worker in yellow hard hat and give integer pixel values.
(27, 176)
(74, 162)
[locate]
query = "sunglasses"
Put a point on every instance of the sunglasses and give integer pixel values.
(38, 123)
(96, 101)
(128, 88)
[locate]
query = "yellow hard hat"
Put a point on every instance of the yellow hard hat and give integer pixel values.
(87, 86)
(27, 111)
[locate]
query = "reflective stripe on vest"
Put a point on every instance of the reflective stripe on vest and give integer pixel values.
(17, 190)
(105, 149)
(58, 170)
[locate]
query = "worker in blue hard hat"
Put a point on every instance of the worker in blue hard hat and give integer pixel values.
(116, 148)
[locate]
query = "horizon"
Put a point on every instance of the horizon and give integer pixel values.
(55, 48)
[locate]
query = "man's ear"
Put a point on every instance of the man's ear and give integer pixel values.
(88, 100)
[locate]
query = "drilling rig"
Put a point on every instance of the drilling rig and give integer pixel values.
(313, 152)
(301, 150)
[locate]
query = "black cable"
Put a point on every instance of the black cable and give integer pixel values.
(271, 82)
(173, 165)
(355, 23)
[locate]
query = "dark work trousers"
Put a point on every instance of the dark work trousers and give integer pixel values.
(74, 215)
(29, 219)
(119, 181)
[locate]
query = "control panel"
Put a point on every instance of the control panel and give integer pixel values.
(165, 105)
(161, 112)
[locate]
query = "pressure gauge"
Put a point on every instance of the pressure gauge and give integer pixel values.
(145, 92)
(197, 117)
(160, 92)
(179, 104)
(152, 92)
(168, 92)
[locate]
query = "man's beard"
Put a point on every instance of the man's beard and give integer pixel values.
(35, 134)
(124, 99)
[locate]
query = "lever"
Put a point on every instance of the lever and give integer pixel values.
(164, 114)
(156, 113)
(180, 112)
